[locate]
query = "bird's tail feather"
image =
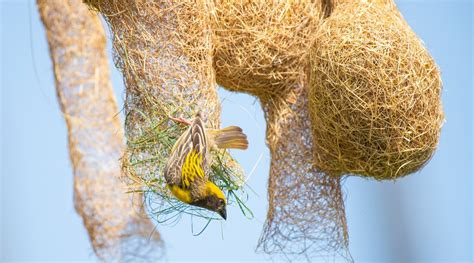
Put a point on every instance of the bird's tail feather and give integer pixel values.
(230, 137)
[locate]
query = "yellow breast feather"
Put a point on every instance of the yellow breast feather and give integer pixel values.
(181, 194)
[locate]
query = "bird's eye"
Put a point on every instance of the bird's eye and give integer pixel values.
(221, 202)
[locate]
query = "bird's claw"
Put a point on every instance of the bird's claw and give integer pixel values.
(180, 120)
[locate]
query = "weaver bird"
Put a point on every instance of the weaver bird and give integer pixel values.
(186, 172)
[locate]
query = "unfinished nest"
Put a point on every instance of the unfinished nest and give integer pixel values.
(164, 50)
(374, 94)
(261, 48)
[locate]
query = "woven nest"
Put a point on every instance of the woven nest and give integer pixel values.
(117, 228)
(164, 50)
(374, 94)
(261, 48)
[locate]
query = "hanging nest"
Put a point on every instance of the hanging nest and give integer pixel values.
(117, 229)
(374, 94)
(261, 48)
(164, 50)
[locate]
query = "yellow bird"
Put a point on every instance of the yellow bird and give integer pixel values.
(187, 169)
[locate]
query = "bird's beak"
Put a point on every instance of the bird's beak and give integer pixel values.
(223, 213)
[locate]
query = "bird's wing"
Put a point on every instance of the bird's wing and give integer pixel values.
(199, 137)
(191, 145)
(200, 143)
(180, 150)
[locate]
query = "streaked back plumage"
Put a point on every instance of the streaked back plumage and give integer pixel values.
(193, 139)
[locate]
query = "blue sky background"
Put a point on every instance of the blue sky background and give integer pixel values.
(425, 217)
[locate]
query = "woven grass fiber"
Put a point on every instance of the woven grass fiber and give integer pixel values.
(117, 228)
(374, 93)
(261, 48)
(163, 49)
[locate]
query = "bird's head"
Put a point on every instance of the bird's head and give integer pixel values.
(213, 200)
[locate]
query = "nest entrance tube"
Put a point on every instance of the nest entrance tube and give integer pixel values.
(116, 226)
(261, 48)
(306, 216)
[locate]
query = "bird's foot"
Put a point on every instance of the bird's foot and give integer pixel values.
(180, 120)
